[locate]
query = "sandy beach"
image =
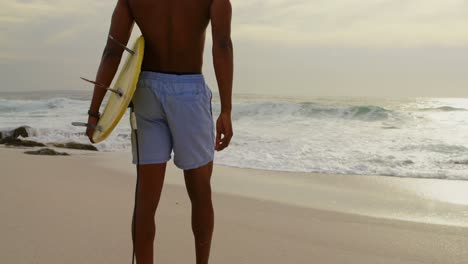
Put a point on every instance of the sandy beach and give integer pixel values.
(77, 209)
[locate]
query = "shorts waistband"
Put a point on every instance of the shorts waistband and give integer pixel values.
(173, 78)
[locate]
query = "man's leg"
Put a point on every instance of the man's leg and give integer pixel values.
(198, 186)
(149, 192)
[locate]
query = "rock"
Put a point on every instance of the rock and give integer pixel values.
(21, 131)
(47, 152)
(75, 145)
(10, 141)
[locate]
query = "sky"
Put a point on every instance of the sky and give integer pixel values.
(387, 48)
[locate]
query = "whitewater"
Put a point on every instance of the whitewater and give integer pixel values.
(403, 137)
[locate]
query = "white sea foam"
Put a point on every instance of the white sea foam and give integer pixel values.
(405, 138)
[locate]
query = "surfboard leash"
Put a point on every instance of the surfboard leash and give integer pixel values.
(133, 124)
(135, 131)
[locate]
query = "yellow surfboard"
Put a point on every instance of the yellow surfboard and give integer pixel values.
(125, 87)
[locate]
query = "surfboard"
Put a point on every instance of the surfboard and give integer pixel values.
(124, 88)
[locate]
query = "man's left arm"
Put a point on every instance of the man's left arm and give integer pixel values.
(120, 29)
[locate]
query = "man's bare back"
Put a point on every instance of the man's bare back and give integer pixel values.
(174, 33)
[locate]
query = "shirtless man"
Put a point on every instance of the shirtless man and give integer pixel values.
(173, 104)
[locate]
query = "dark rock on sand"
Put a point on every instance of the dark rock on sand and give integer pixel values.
(5, 140)
(10, 141)
(47, 152)
(75, 145)
(20, 131)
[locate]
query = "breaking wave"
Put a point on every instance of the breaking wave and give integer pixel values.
(311, 110)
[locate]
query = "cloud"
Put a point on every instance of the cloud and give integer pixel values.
(42, 28)
(362, 23)
(34, 10)
(354, 22)
(318, 41)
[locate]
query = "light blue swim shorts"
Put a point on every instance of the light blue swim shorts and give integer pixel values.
(173, 113)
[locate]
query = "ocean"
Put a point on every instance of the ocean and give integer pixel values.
(401, 137)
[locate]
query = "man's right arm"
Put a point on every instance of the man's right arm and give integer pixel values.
(221, 14)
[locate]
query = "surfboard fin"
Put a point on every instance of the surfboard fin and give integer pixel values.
(116, 91)
(80, 124)
(121, 45)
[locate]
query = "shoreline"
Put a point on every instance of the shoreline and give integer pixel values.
(420, 200)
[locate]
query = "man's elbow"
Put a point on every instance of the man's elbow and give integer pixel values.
(224, 44)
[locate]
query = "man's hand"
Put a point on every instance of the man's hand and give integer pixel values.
(92, 123)
(220, 15)
(223, 131)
